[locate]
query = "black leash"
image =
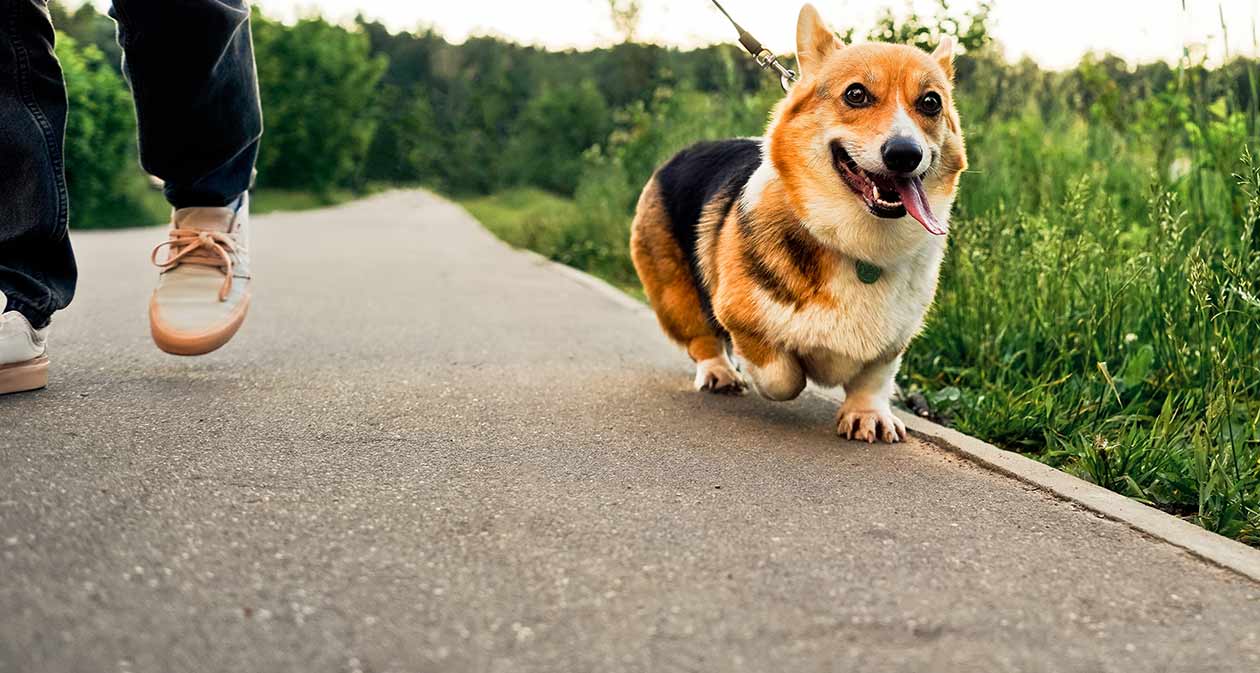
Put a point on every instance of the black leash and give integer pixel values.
(764, 57)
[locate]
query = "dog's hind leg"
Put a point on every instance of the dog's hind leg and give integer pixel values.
(777, 375)
(667, 278)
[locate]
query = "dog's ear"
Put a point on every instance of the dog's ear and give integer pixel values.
(944, 55)
(814, 40)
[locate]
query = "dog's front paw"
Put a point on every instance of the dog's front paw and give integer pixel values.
(716, 375)
(869, 425)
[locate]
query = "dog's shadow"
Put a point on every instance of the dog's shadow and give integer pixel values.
(806, 424)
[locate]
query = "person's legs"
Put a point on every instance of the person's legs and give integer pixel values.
(37, 269)
(191, 68)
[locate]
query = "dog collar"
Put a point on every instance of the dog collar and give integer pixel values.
(868, 273)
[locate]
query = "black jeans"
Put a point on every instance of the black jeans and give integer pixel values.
(190, 64)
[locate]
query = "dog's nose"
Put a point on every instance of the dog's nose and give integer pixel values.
(902, 155)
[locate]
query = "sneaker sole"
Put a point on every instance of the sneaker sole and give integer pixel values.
(22, 377)
(183, 343)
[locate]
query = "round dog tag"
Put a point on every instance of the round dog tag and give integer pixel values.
(868, 273)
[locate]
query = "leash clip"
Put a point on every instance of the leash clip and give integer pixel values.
(768, 61)
(764, 57)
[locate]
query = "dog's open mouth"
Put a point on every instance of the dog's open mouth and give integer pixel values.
(886, 195)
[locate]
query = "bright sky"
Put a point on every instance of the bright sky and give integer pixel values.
(1054, 32)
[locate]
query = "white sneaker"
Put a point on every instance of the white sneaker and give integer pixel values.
(203, 293)
(23, 359)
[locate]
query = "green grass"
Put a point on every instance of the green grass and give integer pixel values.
(145, 206)
(133, 203)
(555, 227)
(288, 200)
(1121, 351)
(525, 217)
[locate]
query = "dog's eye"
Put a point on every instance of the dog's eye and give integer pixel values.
(857, 96)
(930, 104)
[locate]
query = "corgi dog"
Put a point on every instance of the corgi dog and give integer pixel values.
(813, 253)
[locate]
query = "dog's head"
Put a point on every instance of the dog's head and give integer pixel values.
(868, 139)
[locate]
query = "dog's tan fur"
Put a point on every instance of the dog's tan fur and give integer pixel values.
(778, 264)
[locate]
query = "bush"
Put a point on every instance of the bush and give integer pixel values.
(319, 87)
(107, 187)
(550, 135)
(407, 147)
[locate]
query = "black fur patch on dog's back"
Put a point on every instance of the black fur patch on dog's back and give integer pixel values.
(696, 175)
(693, 179)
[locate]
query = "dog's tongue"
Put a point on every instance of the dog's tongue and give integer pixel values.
(915, 200)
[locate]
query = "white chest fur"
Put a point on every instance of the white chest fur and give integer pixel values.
(860, 322)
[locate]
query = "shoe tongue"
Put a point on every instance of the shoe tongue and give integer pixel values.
(204, 219)
(915, 201)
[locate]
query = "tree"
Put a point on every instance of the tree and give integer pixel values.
(104, 177)
(319, 91)
(630, 72)
(971, 30)
(553, 132)
(89, 27)
(625, 17)
(408, 146)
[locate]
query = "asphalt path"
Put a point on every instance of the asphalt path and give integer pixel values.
(428, 452)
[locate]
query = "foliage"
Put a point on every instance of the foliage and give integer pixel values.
(537, 220)
(106, 187)
(971, 29)
(284, 200)
(403, 148)
(625, 16)
(88, 27)
(319, 82)
(548, 138)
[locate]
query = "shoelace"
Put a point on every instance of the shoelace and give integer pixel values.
(207, 248)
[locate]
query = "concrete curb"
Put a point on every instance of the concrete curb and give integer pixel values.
(1202, 543)
(599, 286)
(1215, 549)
